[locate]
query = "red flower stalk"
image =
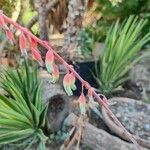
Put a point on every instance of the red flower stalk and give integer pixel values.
(22, 43)
(104, 99)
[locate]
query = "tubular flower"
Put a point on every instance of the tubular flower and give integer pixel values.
(49, 61)
(2, 23)
(69, 83)
(22, 43)
(33, 43)
(90, 94)
(73, 79)
(36, 55)
(82, 104)
(92, 104)
(55, 74)
(10, 36)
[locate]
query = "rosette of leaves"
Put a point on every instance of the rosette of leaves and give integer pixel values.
(120, 53)
(22, 115)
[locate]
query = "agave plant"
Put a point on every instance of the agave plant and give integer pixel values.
(22, 114)
(120, 53)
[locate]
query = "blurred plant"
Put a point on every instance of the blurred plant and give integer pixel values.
(8, 6)
(90, 35)
(115, 2)
(123, 9)
(22, 114)
(122, 45)
(27, 16)
(110, 13)
(85, 42)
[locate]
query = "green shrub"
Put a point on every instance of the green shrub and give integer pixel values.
(22, 114)
(121, 49)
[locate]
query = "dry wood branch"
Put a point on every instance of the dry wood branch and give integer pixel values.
(98, 139)
(49, 7)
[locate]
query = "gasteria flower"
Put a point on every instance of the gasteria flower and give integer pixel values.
(92, 104)
(36, 55)
(22, 43)
(49, 61)
(73, 79)
(35, 52)
(69, 83)
(82, 104)
(2, 23)
(33, 43)
(10, 36)
(90, 94)
(55, 74)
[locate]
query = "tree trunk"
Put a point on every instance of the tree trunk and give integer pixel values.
(49, 7)
(76, 10)
(40, 6)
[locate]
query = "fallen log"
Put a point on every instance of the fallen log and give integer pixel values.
(98, 139)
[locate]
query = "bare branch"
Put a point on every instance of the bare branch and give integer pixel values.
(49, 7)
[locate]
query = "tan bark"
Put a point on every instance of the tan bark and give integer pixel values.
(76, 9)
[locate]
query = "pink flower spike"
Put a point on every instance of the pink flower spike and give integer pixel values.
(36, 55)
(22, 44)
(82, 104)
(67, 84)
(55, 74)
(10, 36)
(2, 23)
(49, 60)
